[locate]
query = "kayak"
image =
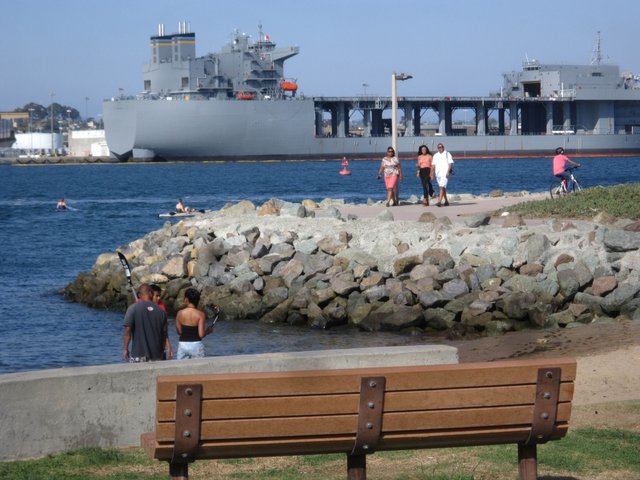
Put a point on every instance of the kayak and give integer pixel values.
(181, 215)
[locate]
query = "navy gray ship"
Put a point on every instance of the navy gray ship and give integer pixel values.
(238, 104)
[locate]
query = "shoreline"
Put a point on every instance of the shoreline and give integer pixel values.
(67, 160)
(456, 269)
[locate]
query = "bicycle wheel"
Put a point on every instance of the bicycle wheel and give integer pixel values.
(556, 190)
(576, 186)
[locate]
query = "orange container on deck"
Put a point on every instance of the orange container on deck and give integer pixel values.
(288, 86)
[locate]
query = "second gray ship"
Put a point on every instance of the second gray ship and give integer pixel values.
(237, 104)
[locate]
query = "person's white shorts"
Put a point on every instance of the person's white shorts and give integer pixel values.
(190, 350)
(442, 179)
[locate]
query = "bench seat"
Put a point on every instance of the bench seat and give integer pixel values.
(359, 411)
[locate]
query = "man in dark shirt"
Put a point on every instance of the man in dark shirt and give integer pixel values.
(147, 324)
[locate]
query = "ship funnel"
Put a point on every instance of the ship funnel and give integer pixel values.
(184, 27)
(161, 29)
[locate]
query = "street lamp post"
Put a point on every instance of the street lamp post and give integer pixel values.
(394, 107)
(52, 148)
(394, 119)
(68, 131)
(30, 133)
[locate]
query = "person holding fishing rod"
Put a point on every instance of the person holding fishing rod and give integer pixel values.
(190, 322)
(190, 325)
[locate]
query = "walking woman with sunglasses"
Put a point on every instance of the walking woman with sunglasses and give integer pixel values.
(392, 170)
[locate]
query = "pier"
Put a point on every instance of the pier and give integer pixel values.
(512, 116)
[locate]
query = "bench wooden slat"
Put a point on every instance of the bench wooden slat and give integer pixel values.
(348, 403)
(302, 446)
(328, 411)
(412, 421)
(243, 385)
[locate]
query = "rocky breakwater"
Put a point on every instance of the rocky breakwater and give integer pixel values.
(304, 264)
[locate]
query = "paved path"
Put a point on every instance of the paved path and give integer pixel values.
(456, 211)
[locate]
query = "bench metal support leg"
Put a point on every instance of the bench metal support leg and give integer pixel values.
(527, 461)
(179, 471)
(356, 467)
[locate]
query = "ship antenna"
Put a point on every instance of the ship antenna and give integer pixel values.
(260, 36)
(596, 59)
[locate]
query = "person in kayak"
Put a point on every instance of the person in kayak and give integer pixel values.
(181, 208)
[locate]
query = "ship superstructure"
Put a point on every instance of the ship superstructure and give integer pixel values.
(242, 69)
(594, 99)
(238, 104)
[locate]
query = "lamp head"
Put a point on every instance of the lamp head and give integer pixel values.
(403, 76)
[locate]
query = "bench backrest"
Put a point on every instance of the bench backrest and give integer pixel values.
(361, 410)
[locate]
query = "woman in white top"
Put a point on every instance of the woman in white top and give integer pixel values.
(392, 170)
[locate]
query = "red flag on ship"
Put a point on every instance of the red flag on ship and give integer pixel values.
(267, 38)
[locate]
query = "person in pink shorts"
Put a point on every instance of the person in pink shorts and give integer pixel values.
(392, 170)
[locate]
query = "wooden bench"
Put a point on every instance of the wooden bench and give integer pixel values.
(360, 411)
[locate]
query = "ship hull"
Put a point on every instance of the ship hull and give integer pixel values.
(201, 130)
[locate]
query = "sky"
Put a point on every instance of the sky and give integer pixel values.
(78, 49)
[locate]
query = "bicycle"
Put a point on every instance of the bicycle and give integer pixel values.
(558, 190)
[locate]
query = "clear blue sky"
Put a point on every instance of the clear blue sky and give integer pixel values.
(91, 48)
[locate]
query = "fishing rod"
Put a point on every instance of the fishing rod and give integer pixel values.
(212, 311)
(127, 272)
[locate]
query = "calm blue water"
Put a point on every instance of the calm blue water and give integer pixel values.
(44, 249)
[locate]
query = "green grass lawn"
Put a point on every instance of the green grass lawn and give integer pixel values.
(585, 453)
(622, 201)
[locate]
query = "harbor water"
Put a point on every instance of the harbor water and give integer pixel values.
(114, 204)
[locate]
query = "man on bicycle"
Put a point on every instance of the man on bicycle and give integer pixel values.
(560, 168)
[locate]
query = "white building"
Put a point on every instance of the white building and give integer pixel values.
(81, 143)
(38, 143)
(88, 143)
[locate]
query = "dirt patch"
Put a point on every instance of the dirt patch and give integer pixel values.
(598, 337)
(622, 415)
(608, 354)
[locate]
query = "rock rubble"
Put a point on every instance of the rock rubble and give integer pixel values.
(304, 264)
